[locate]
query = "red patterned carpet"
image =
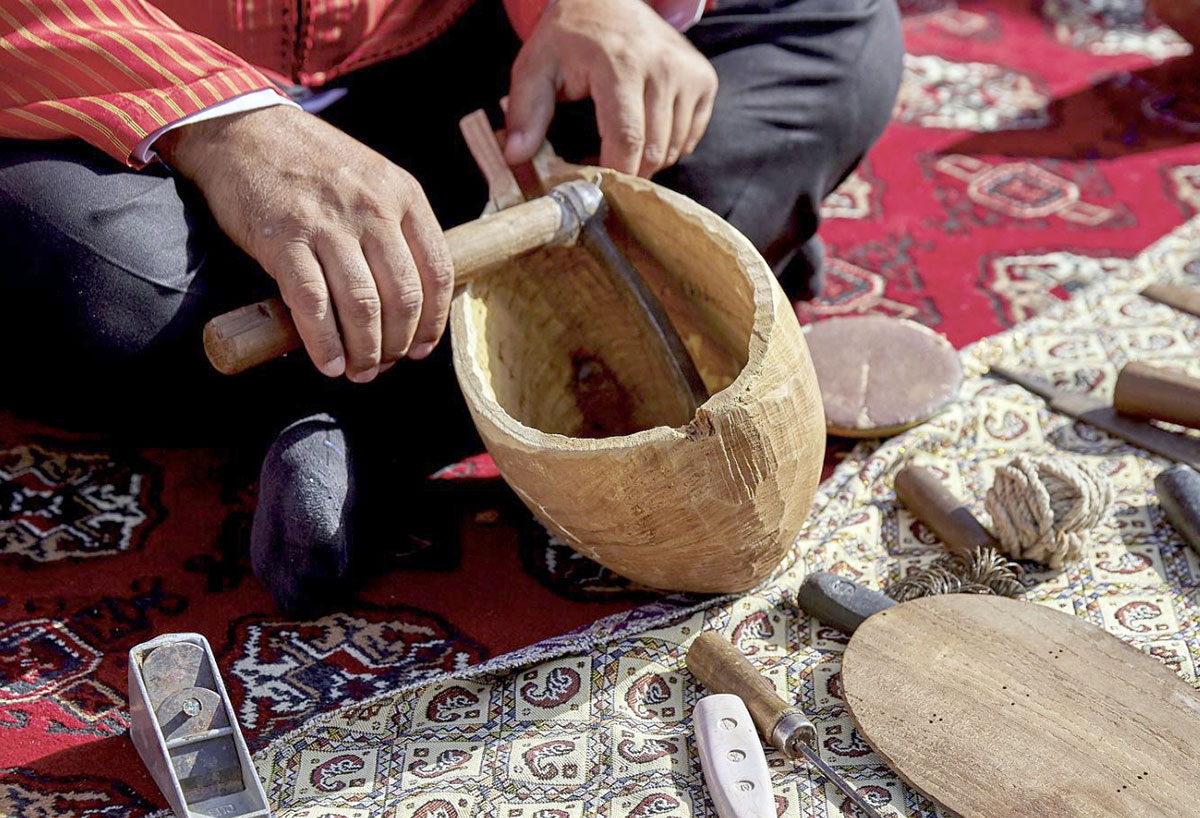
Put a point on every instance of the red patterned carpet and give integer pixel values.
(1036, 147)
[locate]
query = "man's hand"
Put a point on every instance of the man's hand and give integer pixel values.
(342, 230)
(652, 89)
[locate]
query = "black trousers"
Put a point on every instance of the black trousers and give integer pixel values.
(107, 275)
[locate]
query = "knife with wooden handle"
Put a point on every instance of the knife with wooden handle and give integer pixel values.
(1180, 448)
(1156, 393)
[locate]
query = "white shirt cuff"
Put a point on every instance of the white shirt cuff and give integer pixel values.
(681, 14)
(263, 98)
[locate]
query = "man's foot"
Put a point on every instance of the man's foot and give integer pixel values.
(803, 276)
(300, 541)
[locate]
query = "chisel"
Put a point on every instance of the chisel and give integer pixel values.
(722, 668)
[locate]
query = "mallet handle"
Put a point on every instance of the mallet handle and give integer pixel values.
(257, 333)
(930, 501)
(1147, 391)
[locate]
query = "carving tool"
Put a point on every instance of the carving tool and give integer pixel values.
(570, 212)
(1180, 448)
(1183, 299)
(998, 708)
(256, 333)
(1154, 393)
(1179, 495)
(723, 669)
(186, 732)
(505, 191)
(931, 502)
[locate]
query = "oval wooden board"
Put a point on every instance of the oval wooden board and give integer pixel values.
(997, 708)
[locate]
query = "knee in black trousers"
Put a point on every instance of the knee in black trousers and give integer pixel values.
(806, 87)
(100, 264)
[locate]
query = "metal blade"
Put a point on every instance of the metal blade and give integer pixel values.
(679, 361)
(839, 782)
(1178, 447)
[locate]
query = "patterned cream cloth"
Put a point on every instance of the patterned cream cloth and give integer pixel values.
(606, 731)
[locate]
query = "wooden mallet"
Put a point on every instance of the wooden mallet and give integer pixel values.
(257, 333)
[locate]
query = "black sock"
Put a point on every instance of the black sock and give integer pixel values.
(300, 542)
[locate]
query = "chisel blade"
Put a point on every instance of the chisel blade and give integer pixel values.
(839, 782)
(1178, 447)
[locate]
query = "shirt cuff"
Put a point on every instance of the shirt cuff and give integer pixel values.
(262, 98)
(681, 14)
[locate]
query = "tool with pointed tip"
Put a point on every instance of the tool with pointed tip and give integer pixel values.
(722, 668)
(1179, 448)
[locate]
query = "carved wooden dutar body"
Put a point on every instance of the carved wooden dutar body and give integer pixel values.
(572, 403)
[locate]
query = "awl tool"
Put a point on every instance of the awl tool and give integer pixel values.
(723, 669)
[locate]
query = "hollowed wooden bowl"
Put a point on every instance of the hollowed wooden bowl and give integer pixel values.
(580, 422)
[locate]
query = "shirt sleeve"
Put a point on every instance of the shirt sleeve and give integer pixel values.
(682, 14)
(143, 152)
(110, 72)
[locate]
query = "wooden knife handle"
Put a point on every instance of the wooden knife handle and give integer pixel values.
(257, 333)
(1179, 495)
(931, 502)
(1147, 391)
(722, 668)
(1184, 299)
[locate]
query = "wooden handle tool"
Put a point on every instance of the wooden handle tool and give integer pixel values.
(1183, 299)
(722, 668)
(1179, 495)
(927, 498)
(257, 333)
(1151, 392)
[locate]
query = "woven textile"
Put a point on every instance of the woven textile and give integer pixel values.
(608, 733)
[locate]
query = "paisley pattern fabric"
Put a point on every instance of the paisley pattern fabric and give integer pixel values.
(608, 732)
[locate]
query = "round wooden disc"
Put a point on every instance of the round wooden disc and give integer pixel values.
(879, 376)
(997, 708)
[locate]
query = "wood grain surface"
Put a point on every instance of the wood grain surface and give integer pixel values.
(997, 708)
(572, 407)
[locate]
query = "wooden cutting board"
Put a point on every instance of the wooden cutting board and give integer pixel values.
(997, 708)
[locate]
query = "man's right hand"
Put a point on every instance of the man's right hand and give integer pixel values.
(342, 230)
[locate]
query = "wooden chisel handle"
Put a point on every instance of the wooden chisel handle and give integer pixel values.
(1179, 495)
(1146, 391)
(722, 668)
(257, 333)
(931, 502)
